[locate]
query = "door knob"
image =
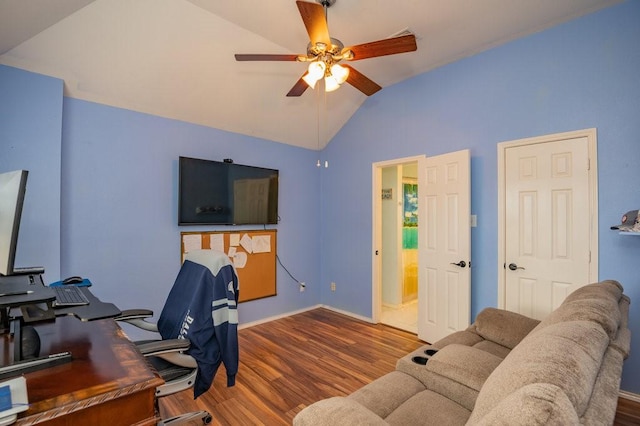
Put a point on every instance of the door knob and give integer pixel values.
(461, 264)
(513, 266)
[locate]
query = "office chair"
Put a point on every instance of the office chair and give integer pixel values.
(169, 358)
(198, 325)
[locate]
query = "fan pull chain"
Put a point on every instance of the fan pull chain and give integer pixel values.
(318, 122)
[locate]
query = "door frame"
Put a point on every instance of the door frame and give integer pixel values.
(376, 232)
(591, 136)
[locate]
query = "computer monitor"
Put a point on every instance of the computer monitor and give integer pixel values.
(12, 189)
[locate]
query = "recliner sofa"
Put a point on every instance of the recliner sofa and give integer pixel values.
(505, 369)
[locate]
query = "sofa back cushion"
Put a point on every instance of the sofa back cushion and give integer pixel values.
(594, 302)
(567, 355)
(503, 327)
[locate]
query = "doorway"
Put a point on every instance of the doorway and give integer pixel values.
(395, 294)
(444, 255)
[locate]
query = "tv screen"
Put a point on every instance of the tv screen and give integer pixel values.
(221, 193)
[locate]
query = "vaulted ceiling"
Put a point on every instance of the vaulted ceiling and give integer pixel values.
(175, 58)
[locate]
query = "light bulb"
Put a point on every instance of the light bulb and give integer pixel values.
(330, 83)
(316, 72)
(340, 73)
(317, 68)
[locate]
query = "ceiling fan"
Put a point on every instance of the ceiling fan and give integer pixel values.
(324, 53)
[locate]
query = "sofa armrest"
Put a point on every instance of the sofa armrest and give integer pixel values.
(337, 411)
(504, 327)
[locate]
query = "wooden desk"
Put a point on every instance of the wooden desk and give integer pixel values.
(108, 381)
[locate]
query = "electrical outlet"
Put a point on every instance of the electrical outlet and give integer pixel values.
(302, 286)
(333, 286)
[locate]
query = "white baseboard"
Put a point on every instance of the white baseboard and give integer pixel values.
(299, 311)
(275, 317)
(391, 305)
(629, 395)
(347, 313)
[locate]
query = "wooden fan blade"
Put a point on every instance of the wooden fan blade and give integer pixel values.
(298, 88)
(261, 57)
(315, 22)
(389, 46)
(361, 82)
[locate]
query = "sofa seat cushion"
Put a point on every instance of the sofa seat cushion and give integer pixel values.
(384, 395)
(338, 410)
(401, 399)
(393, 399)
(427, 408)
(567, 355)
(465, 365)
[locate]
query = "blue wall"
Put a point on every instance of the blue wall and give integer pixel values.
(579, 75)
(119, 204)
(30, 139)
(116, 171)
(111, 175)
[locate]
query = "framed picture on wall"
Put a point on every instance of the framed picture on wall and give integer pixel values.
(409, 214)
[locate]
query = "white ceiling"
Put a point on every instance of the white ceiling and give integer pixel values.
(174, 58)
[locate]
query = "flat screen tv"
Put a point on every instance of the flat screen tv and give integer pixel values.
(225, 193)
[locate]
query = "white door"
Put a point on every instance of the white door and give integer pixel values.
(444, 277)
(548, 223)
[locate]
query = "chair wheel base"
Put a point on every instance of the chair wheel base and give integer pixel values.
(188, 417)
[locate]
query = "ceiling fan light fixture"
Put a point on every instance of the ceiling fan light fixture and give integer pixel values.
(340, 73)
(316, 72)
(324, 51)
(310, 80)
(330, 83)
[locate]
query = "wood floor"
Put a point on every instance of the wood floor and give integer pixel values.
(628, 413)
(292, 362)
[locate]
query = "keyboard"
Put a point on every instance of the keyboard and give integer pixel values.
(69, 295)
